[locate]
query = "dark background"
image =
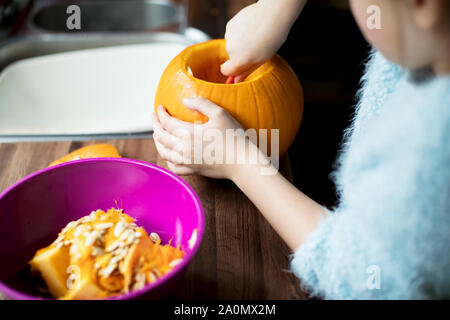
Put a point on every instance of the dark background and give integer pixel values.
(327, 52)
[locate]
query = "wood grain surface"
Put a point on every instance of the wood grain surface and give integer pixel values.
(241, 257)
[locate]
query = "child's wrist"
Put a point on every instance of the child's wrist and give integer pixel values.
(252, 162)
(286, 10)
(281, 15)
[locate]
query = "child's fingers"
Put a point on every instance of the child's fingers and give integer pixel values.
(203, 105)
(234, 67)
(173, 125)
(179, 169)
(169, 154)
(165, 138)
(241, 77)
(156, 124)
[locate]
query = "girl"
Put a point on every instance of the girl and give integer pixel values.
(388, 237)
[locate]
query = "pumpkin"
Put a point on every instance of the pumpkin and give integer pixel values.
(92, 151)
(269, 98)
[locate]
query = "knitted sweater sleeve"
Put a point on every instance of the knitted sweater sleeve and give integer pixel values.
(388, 238)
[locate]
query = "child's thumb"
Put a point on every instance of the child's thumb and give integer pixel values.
(229, 68)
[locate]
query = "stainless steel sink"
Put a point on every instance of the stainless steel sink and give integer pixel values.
(104, 23)
(107, 16)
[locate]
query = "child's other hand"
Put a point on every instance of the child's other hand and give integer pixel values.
(174, 140)
(255, 34)
(251, 41)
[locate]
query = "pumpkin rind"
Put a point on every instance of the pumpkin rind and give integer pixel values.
(270, 98)
(92, 151)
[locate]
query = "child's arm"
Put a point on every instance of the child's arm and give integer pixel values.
(262, 27)
(292, 214)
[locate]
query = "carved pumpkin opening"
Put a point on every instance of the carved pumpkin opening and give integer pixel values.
(204, 62)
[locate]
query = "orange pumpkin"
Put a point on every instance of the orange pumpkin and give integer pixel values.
(102, 150)
(269, 98)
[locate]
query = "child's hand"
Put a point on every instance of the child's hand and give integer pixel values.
(174, 139)
(255, 34)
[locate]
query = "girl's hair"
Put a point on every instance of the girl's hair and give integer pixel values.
(422, 75)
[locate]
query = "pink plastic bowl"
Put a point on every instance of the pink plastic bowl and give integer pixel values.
(35, 209)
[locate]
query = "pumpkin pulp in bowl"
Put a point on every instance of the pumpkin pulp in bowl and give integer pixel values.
(102, 255)
(269, 98)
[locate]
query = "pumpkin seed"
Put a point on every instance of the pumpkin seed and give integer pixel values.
(175, 262)
(103, 226)
(152, 277)
(78, 231)
(92, 238)
(155, 237)
(119, 228)
(113, 246)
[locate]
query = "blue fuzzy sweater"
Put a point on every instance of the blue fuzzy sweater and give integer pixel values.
(389, 236)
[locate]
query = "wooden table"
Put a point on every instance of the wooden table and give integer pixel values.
(241, 256)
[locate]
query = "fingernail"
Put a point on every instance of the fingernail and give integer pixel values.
(188, 100)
